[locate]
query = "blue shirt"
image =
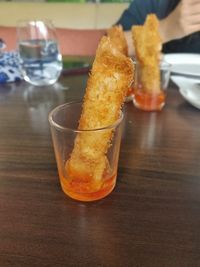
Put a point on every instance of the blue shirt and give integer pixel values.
(137, 12)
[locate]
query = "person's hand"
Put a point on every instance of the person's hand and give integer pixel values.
(182, 21)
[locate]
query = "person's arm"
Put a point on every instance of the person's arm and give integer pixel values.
(182, 21)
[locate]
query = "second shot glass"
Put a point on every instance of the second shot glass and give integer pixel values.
(150, 86)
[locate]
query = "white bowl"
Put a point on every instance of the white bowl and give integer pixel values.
(189, 88)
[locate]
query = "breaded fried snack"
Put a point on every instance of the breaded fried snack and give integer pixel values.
(111, 75)
(147, 43)
(118, 39)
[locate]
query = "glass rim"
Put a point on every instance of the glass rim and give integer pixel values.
(162, 63)
(23, 24)
(44, 20)
(65, 129)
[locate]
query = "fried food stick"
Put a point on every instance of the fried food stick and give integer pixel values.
(118, 39)
(147, 43)
(111, 75)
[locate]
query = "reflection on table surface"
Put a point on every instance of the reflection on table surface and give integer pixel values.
(152, 217)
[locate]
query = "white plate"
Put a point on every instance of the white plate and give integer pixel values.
(185, 64)
(189, 88)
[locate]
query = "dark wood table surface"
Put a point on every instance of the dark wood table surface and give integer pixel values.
(152, 218)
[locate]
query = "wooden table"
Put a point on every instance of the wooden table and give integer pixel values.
(152, 218)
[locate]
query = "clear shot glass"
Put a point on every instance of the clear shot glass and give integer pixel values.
(87, 160)
(150, 86)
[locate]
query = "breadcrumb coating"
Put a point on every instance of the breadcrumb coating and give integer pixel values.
(147, 43)
(111, 75)
(118, 39)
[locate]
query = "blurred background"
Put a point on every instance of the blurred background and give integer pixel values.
(78, 14)
(78, 1)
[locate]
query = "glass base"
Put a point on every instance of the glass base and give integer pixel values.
(105, 190)
(148, 107)
(44, 82)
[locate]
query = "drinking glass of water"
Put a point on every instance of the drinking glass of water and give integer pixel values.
(40, 58)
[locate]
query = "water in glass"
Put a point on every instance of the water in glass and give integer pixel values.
(40, 59)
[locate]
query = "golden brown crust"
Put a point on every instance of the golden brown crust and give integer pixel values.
(111, 75)
(118, 39)
(147, 43)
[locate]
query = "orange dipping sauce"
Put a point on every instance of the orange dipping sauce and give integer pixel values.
(147, 101)
(83, 189)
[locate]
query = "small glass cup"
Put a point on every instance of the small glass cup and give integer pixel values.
(87, 170)
(150, 86)
(40, 57)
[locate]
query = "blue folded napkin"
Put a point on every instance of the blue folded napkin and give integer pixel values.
(9, 67)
